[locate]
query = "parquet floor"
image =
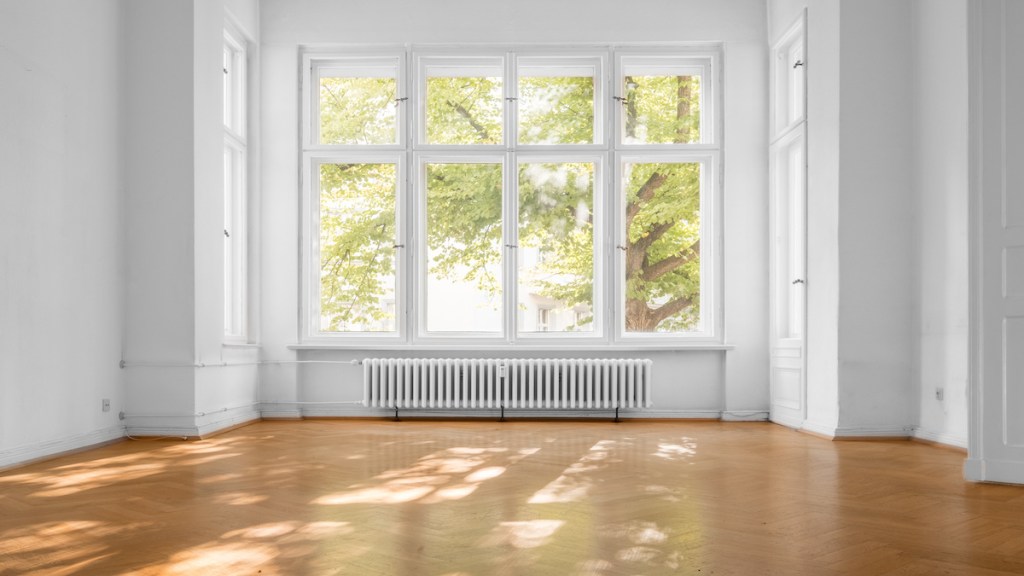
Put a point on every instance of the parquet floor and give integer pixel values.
(518, 498)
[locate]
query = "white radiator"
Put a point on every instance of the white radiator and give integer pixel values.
(547, 383)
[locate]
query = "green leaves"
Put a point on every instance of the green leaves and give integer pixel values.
(556, 110)
(463, 220)
(464, 110)
(662, 251)
(357, 255)
(358, 110)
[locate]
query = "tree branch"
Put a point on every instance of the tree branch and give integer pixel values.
(480, 129)
(668, 309)
(644, 195)
(660, 268)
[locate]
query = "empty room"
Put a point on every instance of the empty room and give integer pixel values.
(729, 287)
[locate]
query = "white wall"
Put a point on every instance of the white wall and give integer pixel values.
(177, 381)
(686, 383)
(61, 277)
(940, 142)
(877, 223)
(863, 263)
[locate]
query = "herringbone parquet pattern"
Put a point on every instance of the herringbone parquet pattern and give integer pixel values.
(518, 498)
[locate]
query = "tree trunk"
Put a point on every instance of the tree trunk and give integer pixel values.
(684, 94)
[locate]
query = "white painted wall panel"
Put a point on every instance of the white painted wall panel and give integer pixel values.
(941, 154)
(61, 275)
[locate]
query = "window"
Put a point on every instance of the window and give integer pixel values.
(235, 167)
(479, 196)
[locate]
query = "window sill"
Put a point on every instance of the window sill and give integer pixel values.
(230, 344)
(451, 348)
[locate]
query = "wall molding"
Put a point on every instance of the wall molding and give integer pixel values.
(744, 416)
(941, 438)
(850, 432)
(190, 425)
(21, 455)
(988, 470)
(781, 420)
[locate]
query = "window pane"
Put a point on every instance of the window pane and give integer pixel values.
(357, 106)
(556, 247)
(465, 105)
(357, 254)
(464, 251)
(229, 245)
(662, 256)
(556, 105)
(662, 106)
(228, 63)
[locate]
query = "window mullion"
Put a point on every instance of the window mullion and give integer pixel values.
(511, 187)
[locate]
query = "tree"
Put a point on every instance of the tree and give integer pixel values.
(556, 211)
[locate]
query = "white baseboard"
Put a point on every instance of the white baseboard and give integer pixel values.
(1001, 471)
(854, 432)
(190, 425)
(941, 438)
(794, 423)
(230, 419)
(819, 429)
(744, 415)
(849, 432)
(30, 452)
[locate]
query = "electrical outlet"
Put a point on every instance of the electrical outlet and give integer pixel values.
(106, 404)
(940, 394)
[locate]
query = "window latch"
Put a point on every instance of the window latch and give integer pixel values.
(799, 281)
(400, 100)
(798, 63)
(511, 246)
(621, 247)
(226, 235)
(511, 98)
(397, 246)
(621, 99)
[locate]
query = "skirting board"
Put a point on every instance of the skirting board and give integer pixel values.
(31, 452)
(1000, 471)
(744, 415)
(855, 432)
(788, 423)
(233, 418)
(941, 438)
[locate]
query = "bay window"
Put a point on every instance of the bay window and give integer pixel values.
(523, 196)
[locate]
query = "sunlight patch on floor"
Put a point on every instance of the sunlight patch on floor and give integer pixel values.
(573, 485)
(523, 534)
(433, 478)
(676, 451)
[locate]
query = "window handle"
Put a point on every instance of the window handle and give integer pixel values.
(397, 246)
(511, 246)
(621, 100)
(400, 100)
(799, 281)
(621, 247)
(798, 64)
(226, 235)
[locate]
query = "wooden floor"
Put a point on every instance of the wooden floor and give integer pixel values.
(519, 498)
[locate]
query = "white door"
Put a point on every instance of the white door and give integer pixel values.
(997, 254)
(788, 227)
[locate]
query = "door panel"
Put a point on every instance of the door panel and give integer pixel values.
(788, 229)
